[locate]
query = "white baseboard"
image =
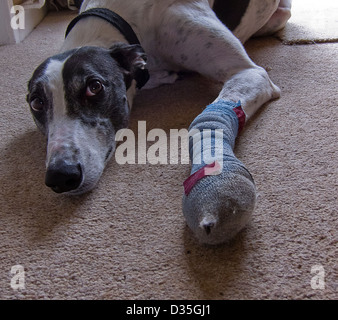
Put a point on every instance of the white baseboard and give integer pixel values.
(27, 16)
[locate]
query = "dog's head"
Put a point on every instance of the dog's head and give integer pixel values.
(79, 101)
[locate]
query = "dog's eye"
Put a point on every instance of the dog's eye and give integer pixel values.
(37, 105)
(94, 88)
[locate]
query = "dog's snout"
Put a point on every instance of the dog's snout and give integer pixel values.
(64, 177)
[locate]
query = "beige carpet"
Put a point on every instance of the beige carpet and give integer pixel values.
(312, 21)
(128, 240)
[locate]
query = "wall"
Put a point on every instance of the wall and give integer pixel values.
(31, 15)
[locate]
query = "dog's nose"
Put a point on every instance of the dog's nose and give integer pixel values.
(64, 177)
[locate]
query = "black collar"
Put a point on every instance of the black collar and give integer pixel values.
(113, 18)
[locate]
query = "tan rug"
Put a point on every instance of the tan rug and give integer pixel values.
(312, 21)
(128, 239)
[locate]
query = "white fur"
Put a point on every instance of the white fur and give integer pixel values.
(54, 74)
(278, 20)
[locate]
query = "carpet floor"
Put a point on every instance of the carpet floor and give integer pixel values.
(127, 239)
(312, 21)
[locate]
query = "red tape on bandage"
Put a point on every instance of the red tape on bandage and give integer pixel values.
(208, 170)
(241, 117)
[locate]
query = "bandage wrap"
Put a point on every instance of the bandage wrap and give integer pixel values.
(212, 140)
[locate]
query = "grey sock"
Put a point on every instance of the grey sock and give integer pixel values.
(220, 194)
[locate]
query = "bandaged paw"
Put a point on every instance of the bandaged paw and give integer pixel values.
(220, 194)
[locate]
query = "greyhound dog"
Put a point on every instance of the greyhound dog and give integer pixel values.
(82, 96)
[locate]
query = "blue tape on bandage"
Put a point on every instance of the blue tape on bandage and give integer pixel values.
(217, 116)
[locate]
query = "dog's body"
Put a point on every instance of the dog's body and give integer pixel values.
(81, 97)
(166, 28)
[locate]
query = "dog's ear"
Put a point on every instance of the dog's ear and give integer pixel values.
(132, 59)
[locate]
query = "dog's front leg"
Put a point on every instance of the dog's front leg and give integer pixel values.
(220, 194)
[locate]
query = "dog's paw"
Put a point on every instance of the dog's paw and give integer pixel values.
(159, 78)
(220, 206)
